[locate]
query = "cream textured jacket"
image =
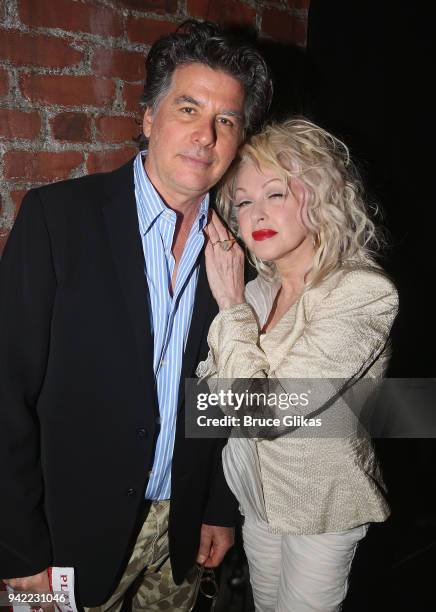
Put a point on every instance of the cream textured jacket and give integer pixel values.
(339, 329)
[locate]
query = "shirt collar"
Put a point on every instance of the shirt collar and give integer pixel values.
(149, 203)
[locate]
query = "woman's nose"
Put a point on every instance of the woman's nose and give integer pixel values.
(258, 211)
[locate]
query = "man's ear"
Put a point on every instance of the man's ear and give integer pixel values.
(147, 121)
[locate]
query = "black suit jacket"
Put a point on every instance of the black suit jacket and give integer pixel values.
(78, 411)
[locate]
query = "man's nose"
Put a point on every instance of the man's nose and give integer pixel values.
(205, 132)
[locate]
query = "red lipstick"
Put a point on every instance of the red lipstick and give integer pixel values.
(263, 234)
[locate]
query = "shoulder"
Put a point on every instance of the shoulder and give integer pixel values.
(77, 185)
(82, 191)
(70, 210)
(359, 280)
(352, 288)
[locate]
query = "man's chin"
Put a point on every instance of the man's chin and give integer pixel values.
(196, 185)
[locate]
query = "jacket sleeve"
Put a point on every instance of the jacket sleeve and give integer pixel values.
(222, 507)
(27, 289)
(346, 330)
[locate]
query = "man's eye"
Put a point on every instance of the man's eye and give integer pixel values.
(187, 109)
(225, 121)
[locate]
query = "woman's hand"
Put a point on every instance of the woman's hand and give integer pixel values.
(225, 268)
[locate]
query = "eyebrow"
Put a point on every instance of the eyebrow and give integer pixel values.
(198, 103)
(264, 185)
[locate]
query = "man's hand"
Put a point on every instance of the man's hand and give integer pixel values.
(32, 584)
(38, 582)
(214, 543)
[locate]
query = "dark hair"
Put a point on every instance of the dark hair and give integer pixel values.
(209, 44)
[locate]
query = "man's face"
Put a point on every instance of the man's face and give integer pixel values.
(194, 133)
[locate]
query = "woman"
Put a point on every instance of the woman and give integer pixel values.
(320, 307)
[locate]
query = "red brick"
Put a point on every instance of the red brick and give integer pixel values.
(40, 165)
(278, 24)
(299, 34)
(67, 90)
(4, 82)
(155, 6)
(126, 65)
(71, 127)
(3, 241)
(226, 11)
(146, 31)
(17, 197)
(19, 124)
(109, 160)
(132, 94)
(71, 16)
(198, 8)
(41, 50)
(117, 129)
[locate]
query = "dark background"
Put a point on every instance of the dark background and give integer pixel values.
(366, 76)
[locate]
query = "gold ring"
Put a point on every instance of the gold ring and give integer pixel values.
(226, 245)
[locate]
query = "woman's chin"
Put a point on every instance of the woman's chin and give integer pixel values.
(264, 255)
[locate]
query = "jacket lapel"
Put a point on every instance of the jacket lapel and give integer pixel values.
(205, 309)
(122, 226)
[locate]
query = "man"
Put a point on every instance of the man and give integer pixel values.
(104, 311)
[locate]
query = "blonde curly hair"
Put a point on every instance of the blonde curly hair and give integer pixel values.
(337, 215)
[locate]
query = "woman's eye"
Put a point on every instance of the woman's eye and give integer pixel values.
(243, 203)
(276, 195)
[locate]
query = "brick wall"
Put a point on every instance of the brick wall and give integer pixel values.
(71, 73)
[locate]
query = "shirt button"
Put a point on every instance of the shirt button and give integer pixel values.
(150, 473)
(131, 492)
(157, 420)
(141, 432)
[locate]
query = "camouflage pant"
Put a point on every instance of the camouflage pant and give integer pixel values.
(149, 566)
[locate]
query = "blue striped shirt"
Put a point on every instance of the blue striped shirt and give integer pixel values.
(170, 315)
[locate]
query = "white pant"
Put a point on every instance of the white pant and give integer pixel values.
(299, 573)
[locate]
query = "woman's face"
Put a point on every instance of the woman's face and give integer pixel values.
(269, 215)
